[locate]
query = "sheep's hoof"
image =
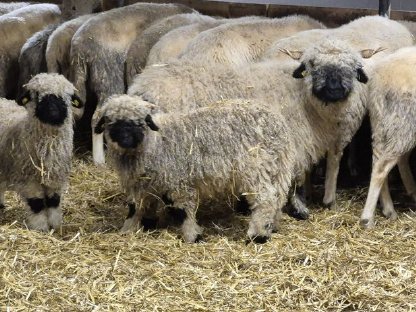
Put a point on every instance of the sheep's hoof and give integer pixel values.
(149, 224)
(258, 239)
(298, 214)
(54, 218)
(129, 226)
(391, 215)
(331, 205)
(2, 206)
(199, 239)
(367, 223)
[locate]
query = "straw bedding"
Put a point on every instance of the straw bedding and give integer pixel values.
(324, 264)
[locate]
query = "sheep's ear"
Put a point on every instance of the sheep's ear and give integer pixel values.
(99, 127)
(300, 72)
(76, 102)
(367, 53)
(361, 75)
(24, 99)
(150, 123)
(294, 54)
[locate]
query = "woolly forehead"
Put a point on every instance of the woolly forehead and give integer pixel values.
(125, 107)
(56, 84)
(333, 52)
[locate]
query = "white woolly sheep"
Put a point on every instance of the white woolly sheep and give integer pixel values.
(9, 7)
(99, 48)
(192, 157)
(59, 45)
(314, 107)
(36, 147)
(392, 108)
(374, 37)
(140, 48)
(15, 28)
(241, 43)
(171, 45)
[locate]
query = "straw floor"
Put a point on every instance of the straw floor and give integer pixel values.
(324, 264)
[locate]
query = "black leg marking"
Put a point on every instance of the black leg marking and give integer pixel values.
(242, 206)
(132, 210)
(36, 204)
(53, 201)
(178, 215)
(149, 223)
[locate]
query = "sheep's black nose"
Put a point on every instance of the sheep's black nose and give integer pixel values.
(51, 110)
(333, 83)
(126, 133)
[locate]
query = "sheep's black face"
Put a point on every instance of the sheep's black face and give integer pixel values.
(51, 110)
(332, 84)
(126, 133)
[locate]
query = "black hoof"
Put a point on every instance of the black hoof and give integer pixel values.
(242, 207)
(149, 224)
(260, 239)
(2, 206)
(298, 215)
(199, 239)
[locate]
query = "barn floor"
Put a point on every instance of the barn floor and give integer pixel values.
(324, 264)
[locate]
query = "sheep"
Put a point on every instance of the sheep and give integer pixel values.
(99, 47)
(202, 163)
(75, 8)
(392, 109)
(171, 45)
(9, 7)
(140, 48)
(36, 147)
(237, 44)
(59, 45)
(332, 90)
(32, 56)
(15, 28)
(375, 37)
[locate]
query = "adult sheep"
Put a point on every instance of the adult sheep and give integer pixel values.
(241, 43)
(15, 28)
(9, 7)
(58, 47)
(99, 48)
(140, 48)
(374, 36)
(36, 147)
(392, 108)
(171, 45)
(329, 90)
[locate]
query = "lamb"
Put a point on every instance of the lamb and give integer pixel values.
(331, 91)
(237, 44)
(15, 28)
(9, 7)
(171, 45)
(140, 48)
(196, 147)
(99, 48)
(375, 37)
(392, 108)
(36, 147)
(59, 44)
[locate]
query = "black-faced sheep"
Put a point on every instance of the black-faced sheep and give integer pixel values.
(392, 107)
(330, 91)
(15, 28)
(99, 48)
(36, 147)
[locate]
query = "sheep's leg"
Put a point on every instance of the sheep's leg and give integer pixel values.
(381, 169)
(2, 191)
(387, 203)
(134, 216)
(352, 160)
(98, 154)
(188, 202)
(53, 208)
(407, 176)
(34, 197)
(308, 188)
(296, 208)
(332, 169)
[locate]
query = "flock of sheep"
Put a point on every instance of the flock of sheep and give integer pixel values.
(196, 109)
